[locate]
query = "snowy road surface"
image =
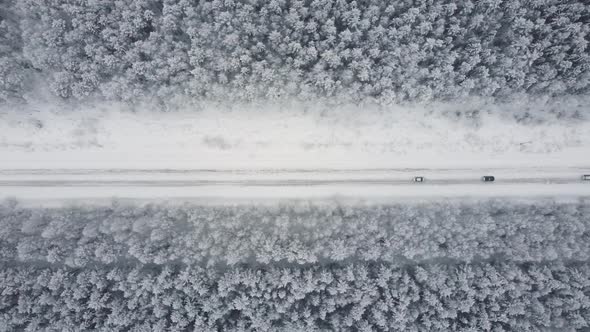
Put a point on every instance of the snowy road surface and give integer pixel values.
(289, 151)
(289, 183)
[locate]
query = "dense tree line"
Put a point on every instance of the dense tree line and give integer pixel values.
(489, 265)
(249, 49)
(13, 68)
(296, 233)
(347, 297)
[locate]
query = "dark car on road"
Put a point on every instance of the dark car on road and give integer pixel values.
(488, 178)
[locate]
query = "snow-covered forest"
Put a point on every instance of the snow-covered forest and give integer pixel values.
(449, 265)
(225, 49)
(479, 296)
(301, 233)
(294, 165)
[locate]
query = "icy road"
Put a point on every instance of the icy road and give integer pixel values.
(289, 183)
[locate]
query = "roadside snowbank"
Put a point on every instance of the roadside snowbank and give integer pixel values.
(236, 193)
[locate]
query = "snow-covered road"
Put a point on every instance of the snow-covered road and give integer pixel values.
(291, 151)
(289, 183)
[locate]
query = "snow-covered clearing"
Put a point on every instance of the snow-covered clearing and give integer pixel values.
(288, 137)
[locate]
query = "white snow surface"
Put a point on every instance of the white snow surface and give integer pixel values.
(284, 137)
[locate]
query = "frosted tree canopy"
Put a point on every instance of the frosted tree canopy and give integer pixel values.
(244, 50)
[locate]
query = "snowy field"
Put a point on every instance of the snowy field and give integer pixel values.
(288, 137)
